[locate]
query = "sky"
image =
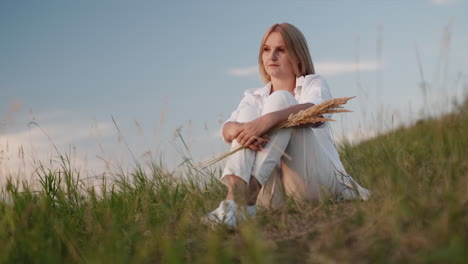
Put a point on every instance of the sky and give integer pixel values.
(111, 82)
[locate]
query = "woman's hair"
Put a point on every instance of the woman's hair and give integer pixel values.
(296, 46)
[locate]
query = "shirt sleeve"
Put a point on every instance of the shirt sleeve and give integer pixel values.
(316, 91)
(246, 101)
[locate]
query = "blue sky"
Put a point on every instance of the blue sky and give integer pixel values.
(157, 66)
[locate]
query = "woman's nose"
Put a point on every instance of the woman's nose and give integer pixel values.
(273, 56)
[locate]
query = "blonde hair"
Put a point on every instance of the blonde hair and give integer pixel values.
(297, 48)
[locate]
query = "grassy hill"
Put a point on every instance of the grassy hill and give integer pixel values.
(418, 212)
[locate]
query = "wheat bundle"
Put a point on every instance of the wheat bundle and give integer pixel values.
(313, 114)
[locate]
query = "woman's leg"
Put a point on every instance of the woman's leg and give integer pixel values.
(246, 171)
(267, 159)
(238, 169)
(272, 193)
(239, 172)
(236, 175)
(314, 171)
(266, 170)
(310, 174)
(307, 176)
(237, 189)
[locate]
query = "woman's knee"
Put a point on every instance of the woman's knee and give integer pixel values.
(279, 100)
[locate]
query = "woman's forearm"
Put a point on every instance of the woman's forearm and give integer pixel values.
(249, 132)
(278, 117)
(261, 125)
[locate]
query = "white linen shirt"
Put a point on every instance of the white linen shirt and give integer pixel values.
(311, 88)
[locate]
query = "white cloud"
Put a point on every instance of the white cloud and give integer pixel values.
(19, 150)
(340, 67)
(324, 67)
(444, 2)
(243, 72)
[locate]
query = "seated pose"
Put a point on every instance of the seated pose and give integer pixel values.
(299, 162)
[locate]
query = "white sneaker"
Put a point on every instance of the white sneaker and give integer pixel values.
(230, 214)
(224, 214)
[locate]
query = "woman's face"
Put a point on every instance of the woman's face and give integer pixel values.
(275, 57)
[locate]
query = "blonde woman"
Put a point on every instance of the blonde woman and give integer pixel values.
(301, 162)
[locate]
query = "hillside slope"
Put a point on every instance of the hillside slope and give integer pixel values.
(418, 212)
(419, 209)
(419, 178)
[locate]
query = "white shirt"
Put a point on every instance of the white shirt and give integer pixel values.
(309, 89)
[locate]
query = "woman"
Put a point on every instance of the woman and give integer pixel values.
(300, 162)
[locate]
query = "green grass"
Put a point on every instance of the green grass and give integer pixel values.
(418, 212)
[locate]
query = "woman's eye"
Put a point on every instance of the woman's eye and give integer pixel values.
(281, 50)
(266, 49)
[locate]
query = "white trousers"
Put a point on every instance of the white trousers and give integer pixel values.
(307, 172)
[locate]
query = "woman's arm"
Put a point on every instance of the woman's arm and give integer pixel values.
(247, 133)
(232, 129)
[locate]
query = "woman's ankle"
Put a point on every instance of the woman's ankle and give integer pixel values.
(254, 190)
(237, 190)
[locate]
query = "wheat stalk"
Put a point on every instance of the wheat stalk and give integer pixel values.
(313, 114)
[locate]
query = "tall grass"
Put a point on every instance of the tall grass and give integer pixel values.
(418, 212)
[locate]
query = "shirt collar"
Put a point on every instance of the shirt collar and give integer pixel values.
(265, 91)
(299, 81)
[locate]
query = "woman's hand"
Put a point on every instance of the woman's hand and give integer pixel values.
(317, 124)
(249, 134)
(252, 132)
(313, 125)
(259, 143)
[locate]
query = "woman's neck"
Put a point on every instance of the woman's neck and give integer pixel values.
(286, 84)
